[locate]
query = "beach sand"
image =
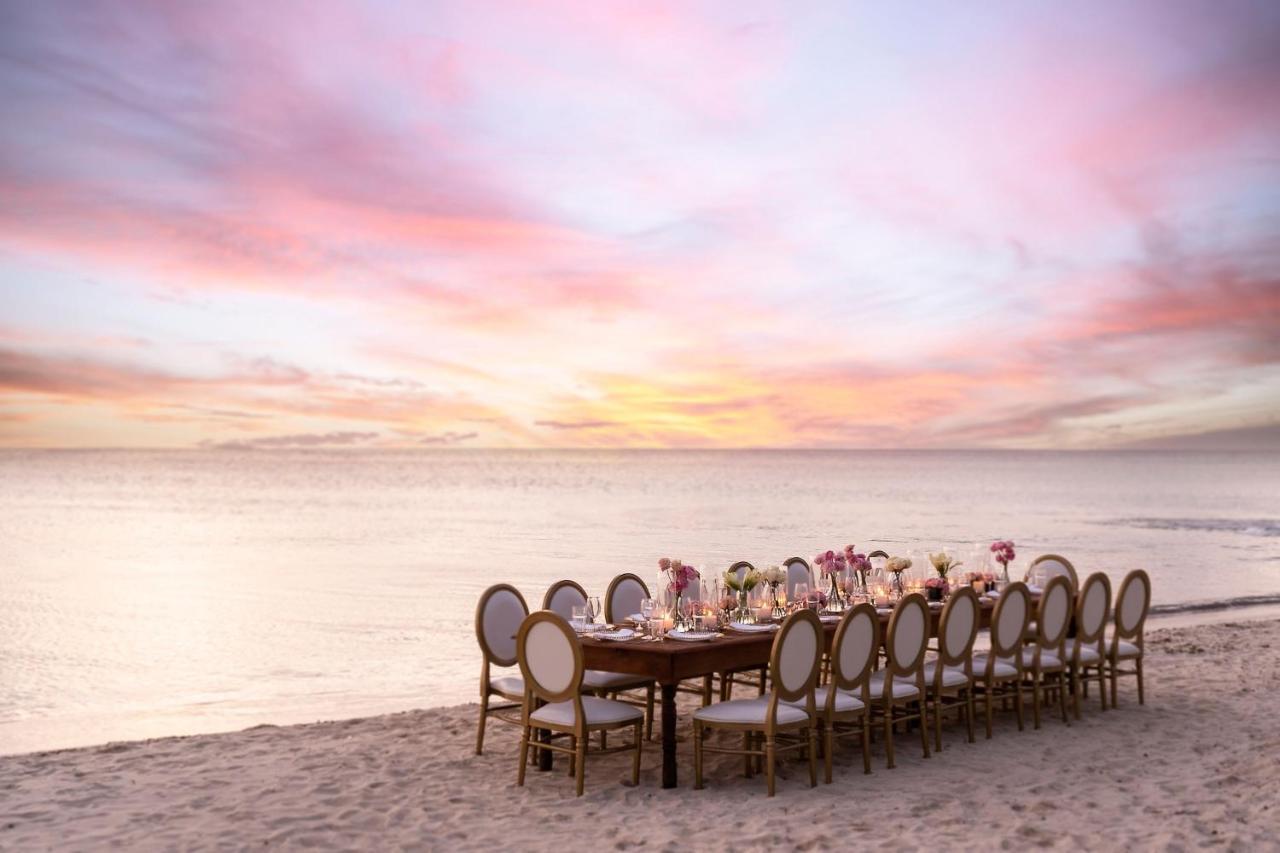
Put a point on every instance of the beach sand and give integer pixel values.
(1198, 765)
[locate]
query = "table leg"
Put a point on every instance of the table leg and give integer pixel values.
(668, 736)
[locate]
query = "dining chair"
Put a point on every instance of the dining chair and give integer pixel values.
(751, 676)
(551, 662)
(788, 710)
(499, 613)
(621, 602)
(798, 572)
(561, 597)
(900, 684)
(1132, 603)
(1087, 650)
(998, 673)
(846, 699)
(949, 676)
(1046, 658)
(1048, 566)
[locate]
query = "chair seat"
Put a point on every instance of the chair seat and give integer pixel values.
(1003, 668)
(1125, 649)
(749, 711)
(846, 703)
(952, 676)
(598, 679)
(1088, 654)
(597, 711)
(510, 686)
(902, 688)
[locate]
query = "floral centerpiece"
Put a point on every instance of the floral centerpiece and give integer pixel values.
(831, 566)
(775, 576)
(859, 568)
(743, 584)
(896, 566)
(942, 563)
(679, 576)
(1003, 549)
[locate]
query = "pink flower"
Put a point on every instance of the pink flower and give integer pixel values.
(665, 563)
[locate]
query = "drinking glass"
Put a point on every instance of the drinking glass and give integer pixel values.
(646, 608)
(802, 594)
(578, 616)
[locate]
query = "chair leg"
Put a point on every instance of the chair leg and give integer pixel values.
(937, 723)
(829, 746)
(813, 757)
(1115, 678)
(635, 762)
(1017, 703)
(989, 702)
(697, 756)
(484, 714)
(1035, 698)
(648, 713)
(866, 740)
(1062, 696)
(1142, 699)
(770, 762)
(924, 726)
(573, 756)
(888, 733)
(524, 755)
(1102, 685)
(580, 759)
(1077, 683)
(968, 711)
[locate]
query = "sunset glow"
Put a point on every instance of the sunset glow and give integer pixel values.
(638, 225)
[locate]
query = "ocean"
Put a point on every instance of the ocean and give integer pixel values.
(153, 593)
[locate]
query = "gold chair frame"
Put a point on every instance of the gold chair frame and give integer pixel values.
(556, 587)
(609, 616)
(1134, 633)
(963, 693)
(805, 730)
(1054, 645)
(914, 670)
(995, 686)
(1071, 569)
(579, 732)
(853, 683)
(1097, 639)
(489, 657)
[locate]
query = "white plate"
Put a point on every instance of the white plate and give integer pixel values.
(620, 636)
(883, 610)
(752, 629)
(638, 618)
(828, 618)
(692, 636)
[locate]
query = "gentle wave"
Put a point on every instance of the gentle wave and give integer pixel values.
(1219, 604)
(1248, 526)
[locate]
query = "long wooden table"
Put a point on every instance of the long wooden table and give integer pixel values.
(669, 662)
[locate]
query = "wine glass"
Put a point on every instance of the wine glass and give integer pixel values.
(802, 594)
(646, 609)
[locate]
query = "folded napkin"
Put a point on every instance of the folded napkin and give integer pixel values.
(753, 629)
(619, 635)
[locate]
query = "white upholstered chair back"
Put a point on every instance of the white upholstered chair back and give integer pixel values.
(1091, 610)
(1009, 621)
(797, 655)
(1132, 603)
(857, 642)
(908, 634)
(498, 617)
(562, 597)
(623, 597)
(550, 657)
(1055, 612)
(797, 572)
(1049, 566)
(958, 626)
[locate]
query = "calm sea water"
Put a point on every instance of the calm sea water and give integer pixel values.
(156, 593)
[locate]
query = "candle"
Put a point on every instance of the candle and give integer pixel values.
(764, 612)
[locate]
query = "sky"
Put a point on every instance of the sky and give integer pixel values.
(685, 224)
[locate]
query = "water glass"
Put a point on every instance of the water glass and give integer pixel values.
(578, 617)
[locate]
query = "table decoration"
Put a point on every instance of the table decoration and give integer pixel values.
(1003, 549)
(943, 563)
(895, 566)
(831, 566)
(743, 584)
(679, 577)
(775, 577)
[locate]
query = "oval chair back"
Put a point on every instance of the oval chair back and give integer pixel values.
(798, 571)
(1049, 566)
(878, 553)
(498, 616)
(623, 597)
(741, 568)
(550, 658)
(957, 630)
(1092, 605)
(1132, 603)
(1053, 617)
(1009, 622)
(562, 597)
(796, 658)
(854, 649)
(908, 636)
